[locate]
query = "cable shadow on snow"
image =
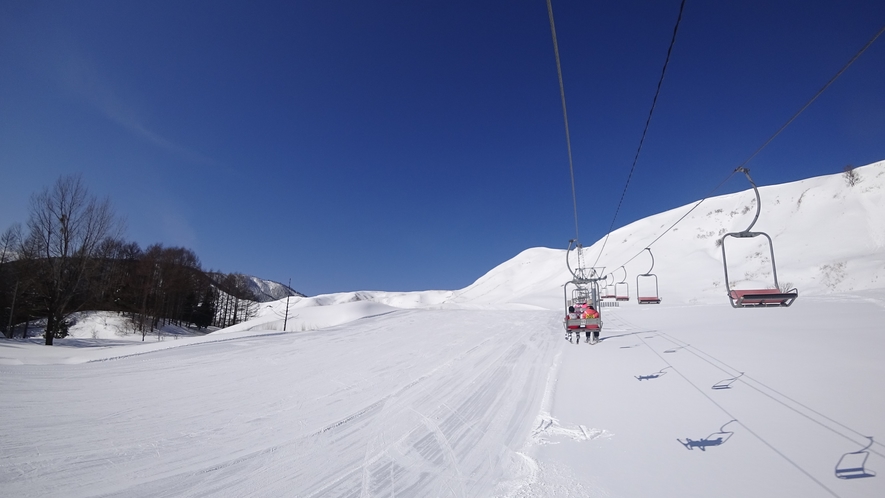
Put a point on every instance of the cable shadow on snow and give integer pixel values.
(715, 439)
(628, 334)
(775, 395)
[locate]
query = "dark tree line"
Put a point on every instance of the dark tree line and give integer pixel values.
(70, 256)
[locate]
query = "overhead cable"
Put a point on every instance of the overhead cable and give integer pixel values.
(770, 139)
(568, 140)
(816, 95)
(645, 130)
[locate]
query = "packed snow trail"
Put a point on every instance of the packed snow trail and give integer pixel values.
(675, 401)
(412, 403)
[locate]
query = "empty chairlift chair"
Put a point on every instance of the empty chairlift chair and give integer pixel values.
(608, 289)
(644, 283)
(622, 288)
(756, 298)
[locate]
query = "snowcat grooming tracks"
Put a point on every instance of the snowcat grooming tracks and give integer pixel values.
(756, 298)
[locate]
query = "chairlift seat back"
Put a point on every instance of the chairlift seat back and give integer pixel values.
(583, 323)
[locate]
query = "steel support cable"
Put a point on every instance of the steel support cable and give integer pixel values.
(770, 139)
(717, 187)
(651, 111)
(568, 140)
(816, 95)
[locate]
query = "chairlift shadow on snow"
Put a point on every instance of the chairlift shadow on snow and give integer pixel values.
(852, 465)
(673, 350)
(655, 375)
(715, 439)
(726, 383)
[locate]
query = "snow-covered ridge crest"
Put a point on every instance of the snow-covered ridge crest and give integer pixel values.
(268, 290)
(828, 236)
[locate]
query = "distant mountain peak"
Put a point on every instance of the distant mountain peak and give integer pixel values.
(269, 290)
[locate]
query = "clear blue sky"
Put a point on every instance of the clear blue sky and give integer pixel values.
(414, 145)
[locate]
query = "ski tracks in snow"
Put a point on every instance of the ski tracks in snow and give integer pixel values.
(416, 403)
(532, 478)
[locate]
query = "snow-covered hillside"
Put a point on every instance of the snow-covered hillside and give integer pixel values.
(828, 237)
(475, 392)
(268, 290)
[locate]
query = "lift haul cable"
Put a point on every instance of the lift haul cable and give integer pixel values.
(651, 111)
(816, 95)
(717, 187)
(568, 140)
(770, 139)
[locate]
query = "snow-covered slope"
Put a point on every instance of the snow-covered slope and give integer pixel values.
(268, 290)
(828, 237)
(475, 393)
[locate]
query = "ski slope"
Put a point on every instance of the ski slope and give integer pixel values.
(811, 390)
(415, 403)
(475, 392)
(465, 403)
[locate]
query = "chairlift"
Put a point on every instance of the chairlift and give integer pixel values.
(648, 277)
(622, 288)
(608, 290)
(756, 298)
(583, 288)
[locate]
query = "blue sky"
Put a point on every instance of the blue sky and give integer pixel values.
(416, 145)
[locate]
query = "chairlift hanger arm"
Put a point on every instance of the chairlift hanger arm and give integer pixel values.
(582, 273)
(746, 171)
(625, 273)
(573, 244)
(650, 268)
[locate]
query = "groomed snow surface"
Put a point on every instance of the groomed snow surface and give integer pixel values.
(476, 393)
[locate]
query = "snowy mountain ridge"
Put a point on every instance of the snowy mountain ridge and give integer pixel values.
(269, 290)
(828, 237)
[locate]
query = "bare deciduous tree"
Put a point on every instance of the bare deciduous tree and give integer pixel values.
(851, 176)
(66, 225)
(10, 241)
